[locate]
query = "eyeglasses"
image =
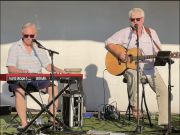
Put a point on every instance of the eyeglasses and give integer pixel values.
(26, 36)
(133, 19)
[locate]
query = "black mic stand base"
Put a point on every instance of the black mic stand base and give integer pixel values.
(171, 130)
(139, 129)
(50, 128)
(57, 129)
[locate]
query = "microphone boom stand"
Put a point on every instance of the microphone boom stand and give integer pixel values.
(138, 128)
(169, 130)
(51, 52)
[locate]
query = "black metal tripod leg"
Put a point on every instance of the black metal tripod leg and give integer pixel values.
(142, 111)
(147, 110)
(43, 110)
(129, 107)
(128, 111)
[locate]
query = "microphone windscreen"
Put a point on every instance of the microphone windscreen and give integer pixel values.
(136, 26)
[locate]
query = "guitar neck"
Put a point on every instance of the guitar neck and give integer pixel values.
(172, 55)
(143, 57)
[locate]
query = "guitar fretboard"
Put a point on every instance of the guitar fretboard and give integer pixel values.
(143, 57)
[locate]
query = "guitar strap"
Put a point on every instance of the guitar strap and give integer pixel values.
(149, 33)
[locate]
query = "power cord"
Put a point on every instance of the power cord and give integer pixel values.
(107, 111)
(104, 85)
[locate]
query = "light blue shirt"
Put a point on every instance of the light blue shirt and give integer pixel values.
(21, 59)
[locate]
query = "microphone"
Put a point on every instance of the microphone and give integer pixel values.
(38, 44)
(136, 26)
(41, 46)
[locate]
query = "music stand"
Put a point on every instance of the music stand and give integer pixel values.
(162, 58)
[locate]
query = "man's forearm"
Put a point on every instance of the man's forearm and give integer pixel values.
(12, 69)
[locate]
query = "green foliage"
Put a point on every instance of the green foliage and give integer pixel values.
(9, 126)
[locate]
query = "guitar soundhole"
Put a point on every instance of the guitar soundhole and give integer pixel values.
(130, 58)
(119, 61)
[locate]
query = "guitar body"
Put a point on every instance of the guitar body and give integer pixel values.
(117, 67)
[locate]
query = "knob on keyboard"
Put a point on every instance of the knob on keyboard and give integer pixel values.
(73, 70)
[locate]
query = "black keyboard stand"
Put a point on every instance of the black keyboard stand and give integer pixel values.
(45, 108)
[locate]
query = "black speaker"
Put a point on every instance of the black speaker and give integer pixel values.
(5, 109)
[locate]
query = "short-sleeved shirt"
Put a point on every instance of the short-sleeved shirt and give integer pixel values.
(127, 38)
(21, 59)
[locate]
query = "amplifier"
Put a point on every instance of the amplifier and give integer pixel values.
(72, 110)
(5, 109)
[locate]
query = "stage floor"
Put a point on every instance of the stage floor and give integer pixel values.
(93, 125)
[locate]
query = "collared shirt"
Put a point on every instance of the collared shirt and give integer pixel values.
(21, 59)
(127, 38)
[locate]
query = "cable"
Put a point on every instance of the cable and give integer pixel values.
(107, 108)
(104, 86)
(113, 102)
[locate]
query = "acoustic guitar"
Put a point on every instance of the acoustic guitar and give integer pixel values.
(117, 67)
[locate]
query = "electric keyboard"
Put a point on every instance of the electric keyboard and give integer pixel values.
(35, 76)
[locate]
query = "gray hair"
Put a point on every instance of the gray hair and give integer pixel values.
(136, 10)
(29, 24)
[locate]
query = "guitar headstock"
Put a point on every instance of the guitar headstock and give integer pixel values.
(175, 54)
